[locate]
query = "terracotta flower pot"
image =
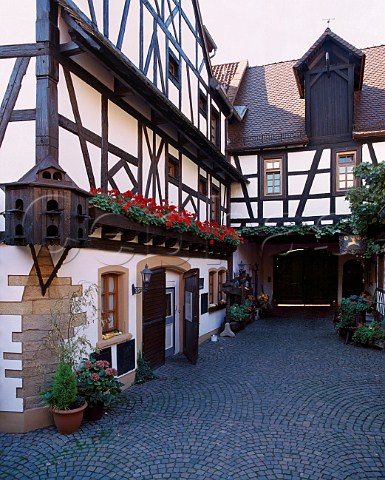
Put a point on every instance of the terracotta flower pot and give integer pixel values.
(68, 421)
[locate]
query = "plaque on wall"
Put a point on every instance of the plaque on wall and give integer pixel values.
(352, 244)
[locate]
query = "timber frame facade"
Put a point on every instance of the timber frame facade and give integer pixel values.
(308, 123)
(112, 95)
(121, 95)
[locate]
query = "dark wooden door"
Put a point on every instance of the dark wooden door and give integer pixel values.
(305, 277)
(352, 278)
(191, 315)
(154, 315)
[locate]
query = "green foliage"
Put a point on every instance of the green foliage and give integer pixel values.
(97, 382)
(63, 393)
(352, 307)
(366, 334)
(69, 319)
(317, 230)
(239, 312)
(143, 372)
(367, 199)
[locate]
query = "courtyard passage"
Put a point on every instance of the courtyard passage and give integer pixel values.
(284, 399)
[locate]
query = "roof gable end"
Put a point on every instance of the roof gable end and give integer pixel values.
(348, 54)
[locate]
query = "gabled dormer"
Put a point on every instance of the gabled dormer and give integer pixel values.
(327, 76)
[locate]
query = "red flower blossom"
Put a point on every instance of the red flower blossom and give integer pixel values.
(359, 325)
(95, 377)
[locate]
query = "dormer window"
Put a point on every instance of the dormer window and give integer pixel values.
(173, 69)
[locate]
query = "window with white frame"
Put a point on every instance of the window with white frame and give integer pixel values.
(346, 161)
(273, 176)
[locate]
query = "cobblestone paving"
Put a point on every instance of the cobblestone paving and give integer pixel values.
(285, 399)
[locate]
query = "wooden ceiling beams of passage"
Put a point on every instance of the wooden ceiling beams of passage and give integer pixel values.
(118, 233)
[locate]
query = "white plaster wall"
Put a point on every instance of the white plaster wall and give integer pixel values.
(21, 13)
(189, 173)
(317, 207)
(342, 206)
(64, 103)
(236, 190)
(116, 14)
(273, 209)
(122, 129)
(18, 150)
(89, 104)
(131, 40)
(296, 184)
(321, 183)
(249, 164)
(173, 93)
(293, 205)
(325, 159)
(121, 178)
(94, 68)
(299, 161)
(172, 194)
(365, 154)
(239, 210)
(186, 109)
(8, 386)
(71, 158)
(27, 94)
(13, 261)
(379, 148)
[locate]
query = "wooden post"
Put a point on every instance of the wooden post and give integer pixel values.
(47, 76)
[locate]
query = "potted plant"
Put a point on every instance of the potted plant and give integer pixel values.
(371, 335)
(97, 383)
(66, 405)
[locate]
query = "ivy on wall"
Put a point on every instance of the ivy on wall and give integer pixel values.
(366, 201)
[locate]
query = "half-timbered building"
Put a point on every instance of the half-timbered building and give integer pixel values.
(112, 95)
(306, 124)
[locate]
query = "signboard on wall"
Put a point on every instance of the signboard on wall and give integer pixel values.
(352, 244)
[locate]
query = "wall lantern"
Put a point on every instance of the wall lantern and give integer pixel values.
(241, 268)
(146, 276)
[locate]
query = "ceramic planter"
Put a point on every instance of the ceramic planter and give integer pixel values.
(68, 421)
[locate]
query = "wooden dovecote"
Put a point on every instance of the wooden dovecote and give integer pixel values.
(45, 207)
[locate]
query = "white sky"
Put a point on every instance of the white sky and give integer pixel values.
(269, 31)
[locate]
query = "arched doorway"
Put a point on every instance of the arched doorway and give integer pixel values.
(305, 277)
(353, 278)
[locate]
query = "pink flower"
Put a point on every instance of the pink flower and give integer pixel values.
(99, 363)
(106, 364)
(87, 364)
(109, 371)
(95, 377)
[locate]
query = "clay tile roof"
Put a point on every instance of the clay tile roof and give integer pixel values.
(369, 103)
(230, 75)
(276, 113)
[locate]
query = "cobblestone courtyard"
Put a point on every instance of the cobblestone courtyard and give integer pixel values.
(285, 399)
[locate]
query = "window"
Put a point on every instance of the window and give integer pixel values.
(173, 69)
(215, 204)
(109, 302)
(215, 128)
(221, 281)
(346, 161)
(202, 104)
(202, 187)
(173, 168)
(211, 287)
(273, 176)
